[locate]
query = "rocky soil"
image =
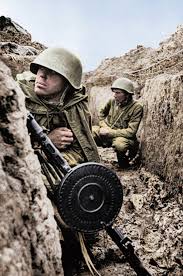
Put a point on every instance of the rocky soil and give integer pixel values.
(16, 46)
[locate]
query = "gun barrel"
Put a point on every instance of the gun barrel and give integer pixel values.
(127, 249)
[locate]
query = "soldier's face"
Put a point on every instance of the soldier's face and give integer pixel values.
(48, 82)
(120, 95)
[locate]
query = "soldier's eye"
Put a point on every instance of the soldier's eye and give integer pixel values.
(51, 72)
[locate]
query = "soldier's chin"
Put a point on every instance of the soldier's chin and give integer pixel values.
(40, 91)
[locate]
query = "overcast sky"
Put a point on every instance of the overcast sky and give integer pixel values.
(96, 29)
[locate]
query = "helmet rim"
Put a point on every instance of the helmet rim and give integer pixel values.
(62, 62)
(123, 84)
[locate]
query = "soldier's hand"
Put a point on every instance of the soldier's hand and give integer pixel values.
(61, 137)
(104, 131)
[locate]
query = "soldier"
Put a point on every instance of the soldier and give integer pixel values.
(119, 121)
(56, 98)
(59, 104)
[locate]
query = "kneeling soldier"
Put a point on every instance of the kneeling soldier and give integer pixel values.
(119, 121)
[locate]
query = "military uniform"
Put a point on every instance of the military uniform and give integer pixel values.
(122, 123)
(72, 113)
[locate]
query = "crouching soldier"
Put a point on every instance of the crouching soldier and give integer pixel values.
(119, 121)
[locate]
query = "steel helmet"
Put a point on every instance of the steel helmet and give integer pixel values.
(61, 61)
(124, 84)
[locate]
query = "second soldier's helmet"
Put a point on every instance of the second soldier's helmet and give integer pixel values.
(61, 61)
(123, 84)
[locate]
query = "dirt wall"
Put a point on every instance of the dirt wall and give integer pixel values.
(162, 143)
(97, 99)
(29, 240)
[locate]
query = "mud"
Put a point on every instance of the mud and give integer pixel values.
(150, 217)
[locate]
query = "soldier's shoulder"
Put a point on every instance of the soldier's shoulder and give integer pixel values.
(25, 77)
(138, 103)
(111, 101)
(26, 82)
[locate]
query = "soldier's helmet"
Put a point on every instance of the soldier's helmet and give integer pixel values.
(61, 61)
(123, 84)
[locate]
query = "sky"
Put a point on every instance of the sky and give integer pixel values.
(96, 29)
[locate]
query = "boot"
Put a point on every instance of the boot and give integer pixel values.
(135, 155)
(123, 161)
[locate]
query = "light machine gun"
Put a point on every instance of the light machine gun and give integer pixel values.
(89, 196)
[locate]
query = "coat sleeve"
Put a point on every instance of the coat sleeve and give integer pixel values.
(103, 114)
(133, 124)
